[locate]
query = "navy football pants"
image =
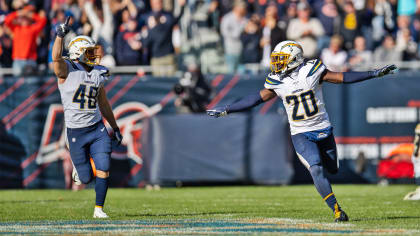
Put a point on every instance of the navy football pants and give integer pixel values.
(92, 141)
(322, 152)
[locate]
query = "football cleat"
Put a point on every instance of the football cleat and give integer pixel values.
(339, 215)
(75, 176)
(99, 213)
(413, 196)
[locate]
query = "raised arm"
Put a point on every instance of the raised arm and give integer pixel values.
(60, 66)
(354, 77)
(245, 103)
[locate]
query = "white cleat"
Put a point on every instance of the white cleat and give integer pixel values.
(99, 213)
(75, 177)
(413, 195)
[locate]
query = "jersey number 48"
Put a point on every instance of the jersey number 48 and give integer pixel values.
(81, 97)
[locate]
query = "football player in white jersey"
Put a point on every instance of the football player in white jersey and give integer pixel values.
(415, 158)
(298, 83)
(80, 81)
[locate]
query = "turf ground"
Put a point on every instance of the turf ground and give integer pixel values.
(298, 210)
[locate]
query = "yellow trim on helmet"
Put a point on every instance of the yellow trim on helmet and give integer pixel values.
(293, 44)
(77, 40)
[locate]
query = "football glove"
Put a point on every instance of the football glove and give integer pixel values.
(63, 29)
(389, 69)
(117, 136)
(217, 112)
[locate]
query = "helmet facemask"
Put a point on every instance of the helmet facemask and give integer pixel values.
(286, 56)
(279, 61)
(90, 55)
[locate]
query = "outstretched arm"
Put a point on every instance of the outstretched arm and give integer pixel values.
(244, 104)
(354, 77)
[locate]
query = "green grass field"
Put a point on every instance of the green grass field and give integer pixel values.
(212, 210)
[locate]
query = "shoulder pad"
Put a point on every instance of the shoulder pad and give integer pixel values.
(315, 65)
(102, 70)
(273, 79)
(71, 63)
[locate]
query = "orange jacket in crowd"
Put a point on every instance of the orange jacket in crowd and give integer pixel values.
(24, 37)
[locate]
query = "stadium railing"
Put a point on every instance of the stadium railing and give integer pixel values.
(254, 68)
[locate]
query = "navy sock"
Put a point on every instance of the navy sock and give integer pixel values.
(323, 185)
(417, 181)
(101, 187)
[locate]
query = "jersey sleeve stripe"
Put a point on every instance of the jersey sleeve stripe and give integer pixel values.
(315, 67)
(271, 81)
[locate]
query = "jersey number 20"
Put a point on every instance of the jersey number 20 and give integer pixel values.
(303, 99)
(81, 97)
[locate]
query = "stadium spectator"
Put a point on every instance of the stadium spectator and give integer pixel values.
(260, 7)
(102, 22)
(158, 39)
(333, 56)
(384, 20)
(232, 25)
(106, 60)
(128, 44)
(125, 10)
(349, 25)
(272, 33)
(291, 13)
(250, 39)
(359, 56)
(405, 42)
(305, 30)
(25, 25)
(5, 49)
(387, 51)
(327, 13)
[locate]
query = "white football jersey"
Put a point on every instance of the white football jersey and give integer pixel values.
(301, 92)
(79, 95)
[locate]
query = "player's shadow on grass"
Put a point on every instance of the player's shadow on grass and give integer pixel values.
(186, 214)
(387, 218)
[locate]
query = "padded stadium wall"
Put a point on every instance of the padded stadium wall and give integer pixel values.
(164, 147)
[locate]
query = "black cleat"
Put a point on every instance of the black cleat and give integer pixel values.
(339, 215)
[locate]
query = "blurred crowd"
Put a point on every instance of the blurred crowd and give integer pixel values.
(218, 35)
